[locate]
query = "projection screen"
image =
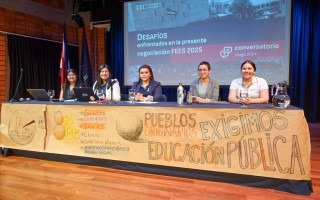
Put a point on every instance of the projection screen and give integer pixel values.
(173, 37)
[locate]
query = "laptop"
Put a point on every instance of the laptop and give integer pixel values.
(39, 94)
(84, 94)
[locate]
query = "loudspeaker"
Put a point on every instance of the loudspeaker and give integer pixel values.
(106, 10)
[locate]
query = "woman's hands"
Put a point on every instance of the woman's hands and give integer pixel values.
(139, 97)
(243, 101)
(199, 99)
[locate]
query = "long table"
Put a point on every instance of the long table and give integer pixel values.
(221, 142)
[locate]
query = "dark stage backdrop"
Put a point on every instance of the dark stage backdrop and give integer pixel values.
(40, 61)
(305, 57)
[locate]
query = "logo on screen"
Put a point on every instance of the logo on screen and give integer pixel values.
(225, 52)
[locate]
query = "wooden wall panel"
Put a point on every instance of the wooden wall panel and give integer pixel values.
(15, 22)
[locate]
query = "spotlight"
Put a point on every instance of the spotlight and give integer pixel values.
(77, 19)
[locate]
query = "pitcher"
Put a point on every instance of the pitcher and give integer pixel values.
(281, 98)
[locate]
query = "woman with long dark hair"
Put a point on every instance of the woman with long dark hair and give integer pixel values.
(71, 82)
(107, 84)
(146, 85)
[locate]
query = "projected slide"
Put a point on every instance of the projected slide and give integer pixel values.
(173, 37)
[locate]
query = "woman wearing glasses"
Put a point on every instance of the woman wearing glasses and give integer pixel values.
(204, 89)
(71, 82)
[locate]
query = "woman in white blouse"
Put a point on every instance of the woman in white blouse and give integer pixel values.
(257, 88)
(105, 83)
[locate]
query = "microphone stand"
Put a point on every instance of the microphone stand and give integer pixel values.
(111, 88)
(15, 93)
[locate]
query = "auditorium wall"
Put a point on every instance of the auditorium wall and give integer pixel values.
(26, 22)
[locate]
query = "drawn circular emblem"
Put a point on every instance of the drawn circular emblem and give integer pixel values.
(58, 118)
(129, 125)
(22, 127)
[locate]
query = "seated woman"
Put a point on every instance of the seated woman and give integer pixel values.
(205, 89)
(257, 88)
(71, 82)
(147, 85)
(105, 83)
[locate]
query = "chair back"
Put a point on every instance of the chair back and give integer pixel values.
(163, 98)
(124, 97)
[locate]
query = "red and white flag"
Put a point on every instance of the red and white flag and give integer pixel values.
(64, 61)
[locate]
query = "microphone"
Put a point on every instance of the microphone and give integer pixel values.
(112, 83)
(15, 93)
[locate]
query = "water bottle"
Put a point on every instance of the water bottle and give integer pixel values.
(189, 97)
(180, 94)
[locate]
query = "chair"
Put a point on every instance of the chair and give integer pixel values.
(163, 98)
(124, 97)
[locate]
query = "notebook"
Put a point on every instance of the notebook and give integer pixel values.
(85, 94)
(39, 94)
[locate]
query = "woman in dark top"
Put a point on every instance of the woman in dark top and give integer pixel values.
(147, 86)
(71, 82)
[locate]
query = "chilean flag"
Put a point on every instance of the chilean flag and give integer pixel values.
(64, 61)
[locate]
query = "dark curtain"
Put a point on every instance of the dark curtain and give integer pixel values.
(115, 36)
(40, 61)
(305, 57)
